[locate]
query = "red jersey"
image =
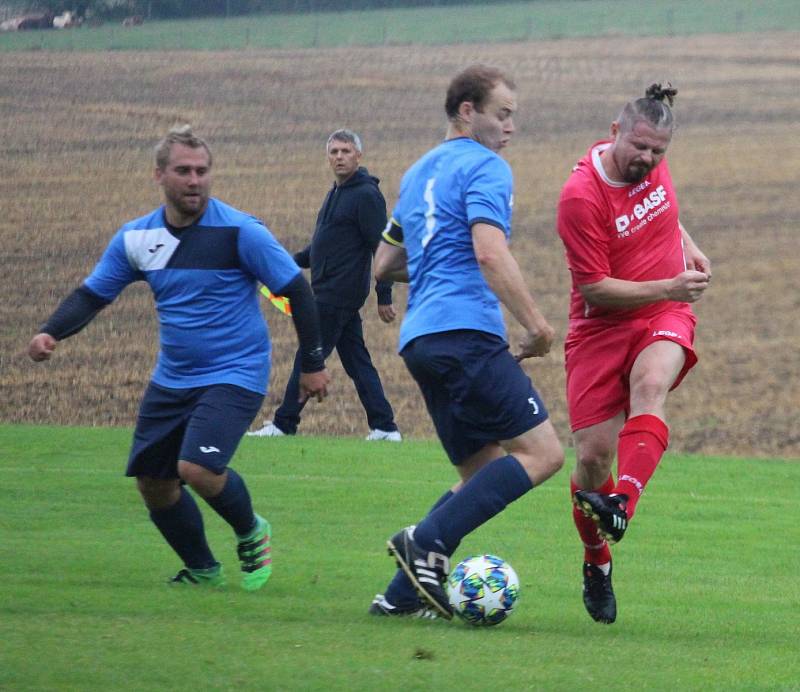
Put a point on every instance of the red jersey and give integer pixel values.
(625, 231)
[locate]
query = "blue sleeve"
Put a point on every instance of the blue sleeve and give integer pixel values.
(489, 194)
(113, 272)
(264, 257)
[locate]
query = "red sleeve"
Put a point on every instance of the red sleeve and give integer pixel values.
(585, 239)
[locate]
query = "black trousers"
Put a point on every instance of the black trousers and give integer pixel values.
(341, 329)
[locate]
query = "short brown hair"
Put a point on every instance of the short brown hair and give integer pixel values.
(474, 84)
(180, 134)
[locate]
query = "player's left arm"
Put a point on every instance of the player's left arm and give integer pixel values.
(695, 259)
(502, 273)
(266, 259)
(391, 261)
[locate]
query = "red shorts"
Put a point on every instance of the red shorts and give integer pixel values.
(599, 359)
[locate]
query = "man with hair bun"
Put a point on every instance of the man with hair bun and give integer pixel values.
(635, 270)
(204, 261)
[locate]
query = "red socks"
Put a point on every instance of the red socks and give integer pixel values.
(642, 442)
(596, 550)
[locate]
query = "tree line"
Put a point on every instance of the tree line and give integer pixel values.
(171, 9)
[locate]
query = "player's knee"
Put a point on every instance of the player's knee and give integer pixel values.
(158, 493)
(649, 388)
(595, 460)
(554, 459)
(199, 478)
(542, 462)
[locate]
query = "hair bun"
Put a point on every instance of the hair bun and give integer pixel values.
(659, 93)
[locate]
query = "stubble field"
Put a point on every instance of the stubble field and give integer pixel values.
(76, 131)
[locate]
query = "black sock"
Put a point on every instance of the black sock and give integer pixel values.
(182, 527)
(233, 504)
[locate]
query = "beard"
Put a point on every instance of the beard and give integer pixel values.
(636, 173)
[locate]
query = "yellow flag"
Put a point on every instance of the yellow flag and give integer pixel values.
(280, 302)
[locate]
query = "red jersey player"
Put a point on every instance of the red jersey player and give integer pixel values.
(634, 272)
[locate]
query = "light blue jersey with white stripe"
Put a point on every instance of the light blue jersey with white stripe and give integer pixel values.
(204, 280)
(452, 187)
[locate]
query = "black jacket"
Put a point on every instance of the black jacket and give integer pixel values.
(348, 230)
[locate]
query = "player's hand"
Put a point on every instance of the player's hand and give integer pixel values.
(386, 313)
(688, 286)
(314, 385)
(536, 344)
(41, 347)
(695, 259)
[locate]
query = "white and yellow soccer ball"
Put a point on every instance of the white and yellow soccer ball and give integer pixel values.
(483, 590)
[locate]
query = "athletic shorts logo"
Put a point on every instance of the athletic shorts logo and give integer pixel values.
(533, 403)
(209, 450)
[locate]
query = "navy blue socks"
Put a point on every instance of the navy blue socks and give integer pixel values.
(182, 527)
(486, 494)
(233, 504)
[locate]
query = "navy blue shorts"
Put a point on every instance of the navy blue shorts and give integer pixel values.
(202, 425)
(476, 393)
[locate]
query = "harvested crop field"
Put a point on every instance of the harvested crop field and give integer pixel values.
(76, 131)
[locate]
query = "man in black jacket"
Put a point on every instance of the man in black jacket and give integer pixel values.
(348, 229)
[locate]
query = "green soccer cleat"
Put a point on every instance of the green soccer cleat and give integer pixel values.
(256, 556)
(213, 577)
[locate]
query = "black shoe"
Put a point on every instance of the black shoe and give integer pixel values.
(381, 607)
(426, 570)
(607, 511)
(598, 596)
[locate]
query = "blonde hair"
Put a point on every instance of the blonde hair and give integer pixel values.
(179, 134)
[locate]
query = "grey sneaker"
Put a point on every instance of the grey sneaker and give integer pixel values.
(388, 435)
(269, 429)
(427, 570)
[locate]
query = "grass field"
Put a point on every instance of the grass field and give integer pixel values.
(706, 578)
(495, 22)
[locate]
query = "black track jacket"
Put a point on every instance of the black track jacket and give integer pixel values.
(348, 230)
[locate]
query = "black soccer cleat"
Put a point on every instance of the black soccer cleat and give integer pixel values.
(382, 608)
(427, 570)
(598, 595)
(607, 511)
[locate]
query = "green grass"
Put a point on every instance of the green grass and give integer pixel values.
(706, 578)
(500, 22)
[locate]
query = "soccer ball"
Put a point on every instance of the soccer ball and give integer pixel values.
(483, 590)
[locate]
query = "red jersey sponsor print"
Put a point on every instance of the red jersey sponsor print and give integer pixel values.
(626, 231)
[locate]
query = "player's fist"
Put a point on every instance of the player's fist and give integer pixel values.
(536, 344)
(41, 347)
(688, 286)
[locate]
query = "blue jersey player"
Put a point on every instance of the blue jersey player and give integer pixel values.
(448, 237)
(203, 261)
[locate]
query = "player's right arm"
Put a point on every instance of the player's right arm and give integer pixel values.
(686, 287)
(110, 276)
(391, 261)
(585, 239)
(73, 313)
(502, 273)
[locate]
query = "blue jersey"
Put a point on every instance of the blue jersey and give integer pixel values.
(204, 280)
(452, 187)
